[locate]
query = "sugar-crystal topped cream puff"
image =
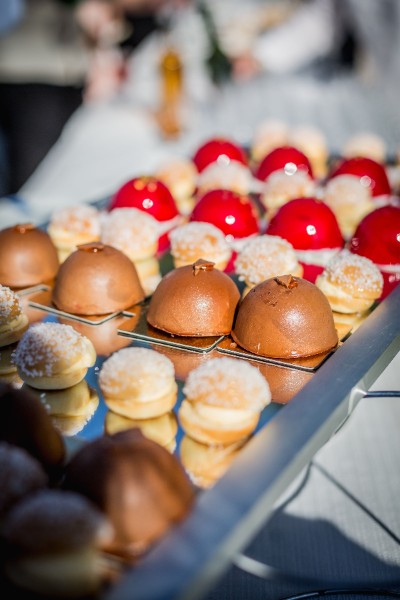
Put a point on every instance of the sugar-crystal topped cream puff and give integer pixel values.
(138, 383)
(13, 320)
(352, 283)
(72, 226)
(52, 356)
(223, 401)
(281, 187)
(198, 239)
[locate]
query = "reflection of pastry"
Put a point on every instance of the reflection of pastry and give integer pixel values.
(138, 383)
(13, 320)
(197, 239)
(7, 366)
(138, 484)
(285, 317)
(184, 361)
(20, 475)
(206, 464)
(96, 280)
(180, 177)
(280, 187)
(104, 336)
(351, 283)
(70, 409)
(349, 200)
(54, 540)
(135, 233)
(24, 422)
(52, 356)
(27, 256)
(266, 256)
(223, 401)
(196, 300)
(161, 429)
(72, 226)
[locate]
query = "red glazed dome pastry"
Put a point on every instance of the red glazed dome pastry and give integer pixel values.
(286, 158)
(96, 279)
(378, 238)
(266, 256)
(372, 174)
(13, 320)
(351, 283)
(196, 301)
(138, 383)
(27, 256)
(140, 486)
(312, 229)
(152, 196)
(285, 317)
(51, 356)
(220, 150)
(195, 240)
(223, 399)
(72, 226)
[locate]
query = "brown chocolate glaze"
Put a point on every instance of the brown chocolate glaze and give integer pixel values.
(27, 256)
(285, 317)
(96, 279)
(196, 300)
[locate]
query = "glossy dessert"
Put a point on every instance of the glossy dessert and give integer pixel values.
(285, 317)
(13, 320)
(196, 301)
(197, 239)
(220, 150)
(351, 283)
(27, 256)
(96, 279)
(377, 238)
(138, 383)
(140, 486)
(285, 158)
(312, 229)
(371, 173)
(52, 356)
(223, 399)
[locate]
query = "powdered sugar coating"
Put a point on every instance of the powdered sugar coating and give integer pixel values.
(354, 273)
(80, 219)
(10, 305)
(134, 367)
(198, 239)
(130, 230)
(266, 256)
(46, 348)
(228, 383)
(281, 187)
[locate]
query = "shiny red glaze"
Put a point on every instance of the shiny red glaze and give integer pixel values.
(308, 224)
(214, 148)
(373, 172)
(378, 238)
(150, 195)
(284, 158)
(233, 213)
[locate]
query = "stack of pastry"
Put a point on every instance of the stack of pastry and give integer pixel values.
(13, 324)
(195, 240)
(280, 187)
(135, 233)
(180, 176)
(72, 226)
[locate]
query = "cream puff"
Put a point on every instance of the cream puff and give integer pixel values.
(138, 383)
(263, 257)
(206, 464)
(281, 187)
(232, 175)
(52, 356)
(349, 200)
(13, 320)
(72, 226)
(136, 234)
(54, 540)
(223, 399)
(270, 134)
(352, 283)
(198, 239)
(367, 144)
(161, 429)
(312, 142)
(180, 177)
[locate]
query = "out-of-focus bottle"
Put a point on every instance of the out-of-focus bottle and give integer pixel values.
(171, 74)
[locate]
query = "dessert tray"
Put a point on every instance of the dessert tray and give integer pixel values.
(310, 401)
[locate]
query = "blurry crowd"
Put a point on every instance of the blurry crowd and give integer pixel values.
(57, 54)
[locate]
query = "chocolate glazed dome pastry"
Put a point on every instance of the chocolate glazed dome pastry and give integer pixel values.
(285, 317)
(195, 300)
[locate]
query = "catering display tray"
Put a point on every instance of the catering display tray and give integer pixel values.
(308, 406)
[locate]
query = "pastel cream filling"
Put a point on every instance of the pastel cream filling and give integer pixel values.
(317, 257)
(333, 289)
